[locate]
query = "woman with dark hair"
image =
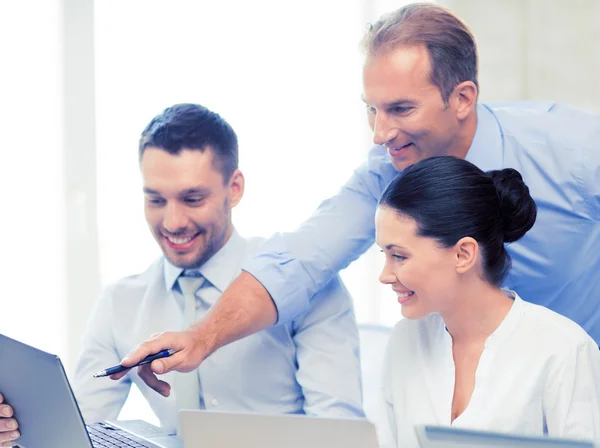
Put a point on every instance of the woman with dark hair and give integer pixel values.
(469, 353)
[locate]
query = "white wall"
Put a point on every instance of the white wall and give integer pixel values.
(82, 261)
(536, 49)
(288, 81)
(32, 218)
(49, 271)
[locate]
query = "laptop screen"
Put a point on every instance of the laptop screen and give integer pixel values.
(35, 384)
(449, 437)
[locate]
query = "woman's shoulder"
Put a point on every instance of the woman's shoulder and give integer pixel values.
(556, 329)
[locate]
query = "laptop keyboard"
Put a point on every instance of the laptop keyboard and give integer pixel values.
(104, 436)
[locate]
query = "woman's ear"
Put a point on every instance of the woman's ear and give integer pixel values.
(467, 253)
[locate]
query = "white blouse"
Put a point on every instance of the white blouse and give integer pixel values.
(539, 373)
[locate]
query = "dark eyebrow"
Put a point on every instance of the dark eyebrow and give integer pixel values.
(195, 190)
(396, 103)
(394, 246)
(400, 103)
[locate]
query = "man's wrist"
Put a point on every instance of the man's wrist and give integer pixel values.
(204, 342)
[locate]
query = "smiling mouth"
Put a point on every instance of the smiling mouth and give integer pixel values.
(398, 150)
(404, 297)
(180, 242)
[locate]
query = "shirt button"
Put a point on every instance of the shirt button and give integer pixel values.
(215, 402)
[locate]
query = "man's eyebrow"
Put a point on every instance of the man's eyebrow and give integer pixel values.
(395, 103)
(400, 102)
(195, 190)
(192, 190)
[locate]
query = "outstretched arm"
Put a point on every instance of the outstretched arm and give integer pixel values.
(280, 280)
(243, 309)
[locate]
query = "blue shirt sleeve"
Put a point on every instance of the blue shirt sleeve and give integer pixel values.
(294, 266)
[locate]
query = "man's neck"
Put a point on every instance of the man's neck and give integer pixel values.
(465, 137)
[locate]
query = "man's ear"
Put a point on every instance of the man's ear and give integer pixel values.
(464, 97)
(236, 187)
(466, 253)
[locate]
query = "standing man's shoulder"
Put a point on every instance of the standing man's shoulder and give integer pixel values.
(553, 144)
(546, 122)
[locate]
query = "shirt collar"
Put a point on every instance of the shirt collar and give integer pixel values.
(219, 270)
(486, 151)
(509, 322)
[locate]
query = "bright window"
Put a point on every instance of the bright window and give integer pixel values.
(288, 79)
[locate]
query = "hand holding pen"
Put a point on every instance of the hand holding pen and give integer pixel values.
(189, 353)
(147, 360)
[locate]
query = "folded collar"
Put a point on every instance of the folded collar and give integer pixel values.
(219, 270)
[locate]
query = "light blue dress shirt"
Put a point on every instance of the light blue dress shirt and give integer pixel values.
(557, 264)
(309, 365)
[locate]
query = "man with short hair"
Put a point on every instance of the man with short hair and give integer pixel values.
(189, 164)
(420, 88)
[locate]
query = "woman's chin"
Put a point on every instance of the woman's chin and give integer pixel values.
(410, 311)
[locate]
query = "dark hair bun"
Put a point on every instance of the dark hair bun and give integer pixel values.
(517, 208)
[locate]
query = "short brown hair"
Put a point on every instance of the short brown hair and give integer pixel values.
(192, 126)
(450, 43)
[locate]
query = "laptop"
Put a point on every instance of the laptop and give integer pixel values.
(430, 436)
(35, 384)
(201, 429)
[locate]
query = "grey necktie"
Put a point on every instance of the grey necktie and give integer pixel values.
(187, 385)
(189, 286)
